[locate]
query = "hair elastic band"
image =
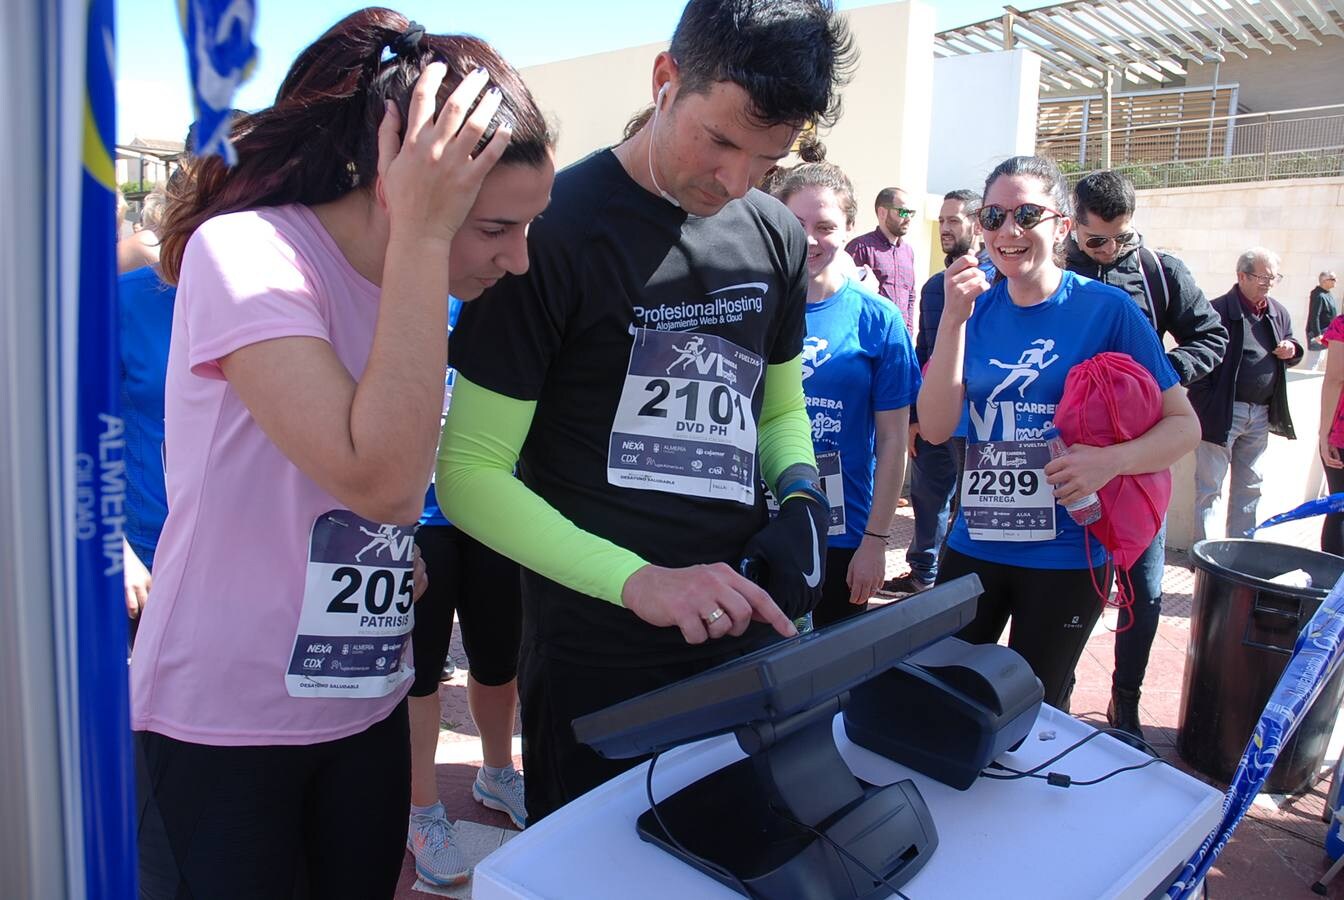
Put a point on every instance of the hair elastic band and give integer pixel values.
(407, 44)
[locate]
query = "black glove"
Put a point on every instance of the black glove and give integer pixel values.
(787, 557)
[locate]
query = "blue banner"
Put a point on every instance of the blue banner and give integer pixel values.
(220, 55)
(1319, 507)
(1315, 657)
(99, 609)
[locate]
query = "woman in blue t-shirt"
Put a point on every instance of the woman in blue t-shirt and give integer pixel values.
(998, 367)
(860, 377)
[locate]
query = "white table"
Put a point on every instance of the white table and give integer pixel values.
(1122, 838)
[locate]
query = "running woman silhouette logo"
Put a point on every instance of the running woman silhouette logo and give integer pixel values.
(691, 353)
(700, 360)
(389, 538)
(815, 354)
(1026, 370)
(1002, 416)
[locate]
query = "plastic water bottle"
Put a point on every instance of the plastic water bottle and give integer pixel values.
(1085, 510)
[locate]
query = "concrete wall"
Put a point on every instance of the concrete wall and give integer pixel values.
(984, 110)
(880, 141)
(1208, 227)
(1285, 79)
(589, 99)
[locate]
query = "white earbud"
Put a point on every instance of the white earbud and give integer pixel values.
(657, 104)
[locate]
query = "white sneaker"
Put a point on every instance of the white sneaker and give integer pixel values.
(504, 793)
(433, 842)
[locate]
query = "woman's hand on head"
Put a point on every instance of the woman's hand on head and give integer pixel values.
(429, 180)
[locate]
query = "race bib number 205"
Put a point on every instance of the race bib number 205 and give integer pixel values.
(684, 423)
(356, 622)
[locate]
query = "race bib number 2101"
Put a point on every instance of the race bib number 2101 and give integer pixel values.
(684, 424)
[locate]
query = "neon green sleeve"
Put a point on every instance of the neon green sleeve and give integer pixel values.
(478, 493)
(785, 433)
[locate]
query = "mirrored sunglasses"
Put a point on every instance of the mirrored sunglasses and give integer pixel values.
(1027, 216)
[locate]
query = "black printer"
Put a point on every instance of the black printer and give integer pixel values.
(948, 710)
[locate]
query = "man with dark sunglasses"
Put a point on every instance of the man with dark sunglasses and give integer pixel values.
(886, 251)
(1105, 246)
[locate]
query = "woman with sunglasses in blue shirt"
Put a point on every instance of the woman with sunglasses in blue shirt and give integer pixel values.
(998, 367)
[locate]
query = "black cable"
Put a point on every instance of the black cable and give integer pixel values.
(837, 847)
(1060, 780)
(709, 864)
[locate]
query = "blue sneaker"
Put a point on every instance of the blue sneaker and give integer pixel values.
(433, 842)
(504, 793)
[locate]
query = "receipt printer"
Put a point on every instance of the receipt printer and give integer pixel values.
(948, 710)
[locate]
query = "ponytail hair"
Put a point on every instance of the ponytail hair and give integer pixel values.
(319, 140)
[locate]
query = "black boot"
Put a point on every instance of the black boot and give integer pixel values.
(1123, 713)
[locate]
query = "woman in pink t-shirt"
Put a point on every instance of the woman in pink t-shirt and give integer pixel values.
(303, 398)
(1332, 433)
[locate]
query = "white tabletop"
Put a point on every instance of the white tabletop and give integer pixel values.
(1025, 838)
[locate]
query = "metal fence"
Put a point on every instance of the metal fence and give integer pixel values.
(1297, 143)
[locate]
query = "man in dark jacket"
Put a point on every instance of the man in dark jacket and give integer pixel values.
(1105, 246)
(1245, 398)
(935, 467)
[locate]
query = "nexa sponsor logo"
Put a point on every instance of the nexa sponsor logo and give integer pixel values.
(727, 304)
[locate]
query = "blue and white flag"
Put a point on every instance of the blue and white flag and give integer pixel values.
(1319, 507)
(1315, 658)
(220, 54)
(98, 714)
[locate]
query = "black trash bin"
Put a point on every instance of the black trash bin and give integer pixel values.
(1242, 631)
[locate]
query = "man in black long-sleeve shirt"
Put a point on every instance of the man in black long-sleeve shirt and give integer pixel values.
(1105, 246)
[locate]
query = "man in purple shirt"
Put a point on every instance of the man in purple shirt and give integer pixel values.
(886, 251)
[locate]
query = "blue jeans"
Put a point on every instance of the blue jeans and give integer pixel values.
(1134, 643)
(1244, 454)
(933, 486)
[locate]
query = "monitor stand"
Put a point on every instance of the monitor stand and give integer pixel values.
(730, 821)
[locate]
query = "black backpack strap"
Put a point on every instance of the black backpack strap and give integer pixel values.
(1150, 267)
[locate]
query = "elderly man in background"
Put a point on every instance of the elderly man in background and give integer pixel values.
(1245, 397)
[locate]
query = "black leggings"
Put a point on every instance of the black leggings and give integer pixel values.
(484, 589)
(1332, 530)
(277, 822)
(1053, 611)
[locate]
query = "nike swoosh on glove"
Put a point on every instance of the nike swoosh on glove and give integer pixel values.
(789, 555)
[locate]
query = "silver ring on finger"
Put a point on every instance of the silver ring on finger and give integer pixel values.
(714, 616)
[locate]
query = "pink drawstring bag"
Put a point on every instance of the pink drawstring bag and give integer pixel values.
(1109, 399)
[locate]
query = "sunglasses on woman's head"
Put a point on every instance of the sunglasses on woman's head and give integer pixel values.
(1097, 241)
(1027, 216)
